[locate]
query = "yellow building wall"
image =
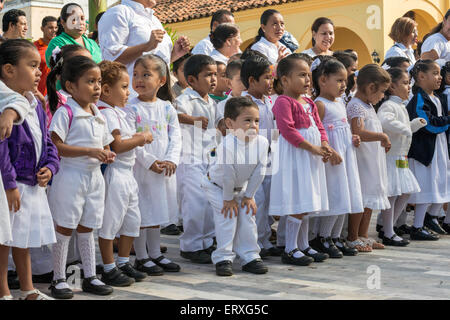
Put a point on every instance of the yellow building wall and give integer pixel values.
(360, 25)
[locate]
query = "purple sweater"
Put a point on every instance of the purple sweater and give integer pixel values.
(18, 155)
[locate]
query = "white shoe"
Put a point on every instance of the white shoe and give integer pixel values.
(7, 298)
(41, 296)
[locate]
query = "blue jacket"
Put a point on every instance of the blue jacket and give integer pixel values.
(424, 140)
(18, 155)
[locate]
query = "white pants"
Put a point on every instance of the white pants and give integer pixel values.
(122, 215)
(263, 220)
(196, 211)
(237, 235)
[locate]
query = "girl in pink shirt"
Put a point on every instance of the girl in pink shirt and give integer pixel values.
(298, 185)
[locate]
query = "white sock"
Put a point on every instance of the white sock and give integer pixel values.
(59, 259)
(400, 213)
(447, 216)
(326, 225)
(86, 245)
(140, 245)
(419, 214)
(154, 242)
(435, 210)
(337, 228)
(108, 267)
(388, 218)
(97, 282)
(302, 241)
(122, 261)
(292, 233)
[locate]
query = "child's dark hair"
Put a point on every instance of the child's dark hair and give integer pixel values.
(286, 64)
(346, 58)
(328, 65)
(223, 32)
(395, 74)
(444, 71)
(372, 73)
(165, 92)
(252, 53)
(395, 62)
(254, 67)
(11, 51)
(195, 64)
(420, 66)
(111, 71)
(234, 67)
(178, 63)
(56, 66)
(316, 25)
(235, 105)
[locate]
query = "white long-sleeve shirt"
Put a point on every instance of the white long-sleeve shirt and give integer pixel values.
(205, 46)
(400, 50)
(10, 99)
(161, 119)
(240, 165)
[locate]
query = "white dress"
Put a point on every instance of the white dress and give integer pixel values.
(432, 180)
(5, 226)
(157, 192)
(298, 181)
(371, 158)
(343, 185)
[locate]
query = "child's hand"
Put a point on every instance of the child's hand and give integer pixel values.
(321, 152)
(230, 207)
(158, 167)
(7, 119)
(250, 204)
(328, 151)
(335, 158)
(170, 168)
(148, 138)
(43, 176)
(204, 121)
(13, 197)
(356, 140)
(99, 154)
(111, 157)
(385, 142)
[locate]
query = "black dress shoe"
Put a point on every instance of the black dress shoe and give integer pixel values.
(264, 253)
(168, 267)
(181, 228)
(275, 251)
(116, 278)
(432, 225)
(100, 290)
(332, 251)
(131, 272)
(398, 232)
(43, 278)
(155, 270)
(421, 234)
(200, 256)
(404, 228)
(381, 234)
(289, 258)
(441, 220)
(163, 249)
(224, 268)
(210, 249)
(341, 244)
(396, 243)
(13, 280)
(318, 256)
(256, 266)
(378, 227)
(65, 293)
(446, 227)
(171, 230)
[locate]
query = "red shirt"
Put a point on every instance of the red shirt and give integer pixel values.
(41, 46)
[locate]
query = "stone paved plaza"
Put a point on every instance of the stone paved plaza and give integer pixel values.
(419, 271)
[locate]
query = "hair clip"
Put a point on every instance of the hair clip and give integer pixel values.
(315, 64)
(386, 66)
(55, 51)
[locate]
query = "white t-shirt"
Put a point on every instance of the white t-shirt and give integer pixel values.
(438, 43)
(116, 120)
(86, 130)
(269, 49)
(205, 46)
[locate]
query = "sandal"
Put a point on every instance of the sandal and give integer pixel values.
(372, 243)
(40, 296)
(7, 298)
(359, 245)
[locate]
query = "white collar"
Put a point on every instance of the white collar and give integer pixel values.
(221, 57)
(78, 111)
(31, 99)
(136, 6)
(260, 101)
(195, 95)
(399, 100)
(267, 42)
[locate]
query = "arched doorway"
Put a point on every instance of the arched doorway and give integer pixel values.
(347, 39)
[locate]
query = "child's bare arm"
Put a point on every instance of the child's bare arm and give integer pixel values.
(64, 150)
(120, 145)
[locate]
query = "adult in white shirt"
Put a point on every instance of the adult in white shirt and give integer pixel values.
(322, 37)
(205, 46)
(131, 29)
(437, 45)
(405, 35)
(269, 34)
(226, 40)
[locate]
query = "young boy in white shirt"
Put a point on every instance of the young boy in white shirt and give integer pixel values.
(198, 119)
(233, 181)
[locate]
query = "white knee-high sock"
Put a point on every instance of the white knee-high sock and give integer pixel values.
(59, 256)
(292, 233)
(435, 210)
(326, 225)
(140, 245)
(86, 246)
(400, 207)
(338, 225)
(302, 241)
(419, 214)
(153, 242)
(388, 218)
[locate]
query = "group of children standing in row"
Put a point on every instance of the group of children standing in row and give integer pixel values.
(330, 159)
